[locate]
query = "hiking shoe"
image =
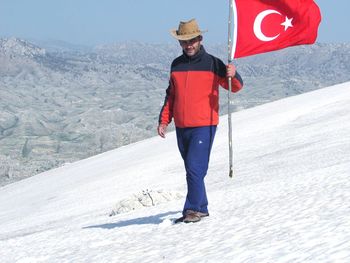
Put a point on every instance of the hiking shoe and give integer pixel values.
(198, 213)
(192, 217)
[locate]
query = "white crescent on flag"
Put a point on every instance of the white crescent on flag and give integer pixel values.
(257, 25)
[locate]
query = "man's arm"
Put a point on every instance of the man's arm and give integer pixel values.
(236, 79)
(166, 113)
(229, 71)
(162, 130)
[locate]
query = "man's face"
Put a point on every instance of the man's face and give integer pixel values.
(192, 46)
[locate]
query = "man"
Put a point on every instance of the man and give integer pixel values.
(192, 99)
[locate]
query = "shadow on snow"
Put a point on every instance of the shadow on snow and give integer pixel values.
(149, 220)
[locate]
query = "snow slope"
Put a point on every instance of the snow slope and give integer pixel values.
(289, 200)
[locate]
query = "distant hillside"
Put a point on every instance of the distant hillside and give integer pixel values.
(60, 105)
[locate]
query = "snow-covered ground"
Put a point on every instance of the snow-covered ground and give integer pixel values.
(288, 202)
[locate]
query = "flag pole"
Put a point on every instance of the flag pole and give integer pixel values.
(230, 60)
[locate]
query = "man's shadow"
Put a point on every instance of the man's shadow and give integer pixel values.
(149, 220)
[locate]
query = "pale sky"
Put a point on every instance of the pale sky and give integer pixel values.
(93, 22)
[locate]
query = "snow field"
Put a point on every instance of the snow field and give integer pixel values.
(288, 202)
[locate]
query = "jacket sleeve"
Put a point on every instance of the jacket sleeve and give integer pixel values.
(236, 81)
(166, 113)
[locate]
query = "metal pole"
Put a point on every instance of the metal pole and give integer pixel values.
(230, 130)
(230, 25)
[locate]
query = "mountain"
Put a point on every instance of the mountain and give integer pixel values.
(288, 202)
(59, 46)
(60, 104)
(13, 47)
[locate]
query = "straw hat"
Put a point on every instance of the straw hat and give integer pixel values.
(187, 30)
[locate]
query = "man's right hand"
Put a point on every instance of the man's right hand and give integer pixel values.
(162, 130)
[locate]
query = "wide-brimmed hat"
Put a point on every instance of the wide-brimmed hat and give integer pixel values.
(187, 30)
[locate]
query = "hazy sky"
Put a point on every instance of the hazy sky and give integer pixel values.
(92, 22)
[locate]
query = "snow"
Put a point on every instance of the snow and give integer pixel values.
(289, 200)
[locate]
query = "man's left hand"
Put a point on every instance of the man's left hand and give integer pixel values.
(230, 71)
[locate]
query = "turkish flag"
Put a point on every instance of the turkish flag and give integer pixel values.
(267, 25)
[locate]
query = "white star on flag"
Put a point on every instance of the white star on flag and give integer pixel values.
(287, 23)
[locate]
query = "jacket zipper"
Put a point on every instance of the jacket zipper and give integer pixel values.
(186, 90)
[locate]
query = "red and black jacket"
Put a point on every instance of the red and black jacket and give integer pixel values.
(192, 97)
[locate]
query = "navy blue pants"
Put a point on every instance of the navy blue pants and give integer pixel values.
(195, 146)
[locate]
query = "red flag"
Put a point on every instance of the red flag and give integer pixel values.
(267, 25)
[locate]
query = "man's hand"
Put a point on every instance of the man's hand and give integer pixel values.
(162, 130)
(230, 71)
